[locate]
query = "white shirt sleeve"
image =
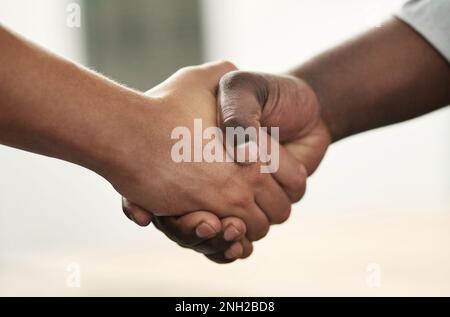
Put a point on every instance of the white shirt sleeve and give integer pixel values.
(431, 19)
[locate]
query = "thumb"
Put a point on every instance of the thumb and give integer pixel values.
(213, 72)
(241, 98)
(243, 101)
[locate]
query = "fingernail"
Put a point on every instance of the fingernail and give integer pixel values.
(205, 230)
(231, 233)
(231, 253)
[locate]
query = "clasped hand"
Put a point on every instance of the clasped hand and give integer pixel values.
(220, 208)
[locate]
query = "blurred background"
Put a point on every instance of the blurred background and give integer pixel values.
(376, 216)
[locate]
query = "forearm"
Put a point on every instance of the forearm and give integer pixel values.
(54, 107)
(387, 75)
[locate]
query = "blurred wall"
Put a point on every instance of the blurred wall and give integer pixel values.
(45, 22)
(142, 42)
(34, 214)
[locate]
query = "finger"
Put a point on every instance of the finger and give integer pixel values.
(135, 213)
(256, 220)
(239, 102)
(239, 250)
(248, 248)
(289, 172)
(301, 148)
(272, 200)
(186, 232)
(241, 97)
(234, 252)
(234, 229)
(229, 255)
(247, 99)
(190, 229)
(291, 176)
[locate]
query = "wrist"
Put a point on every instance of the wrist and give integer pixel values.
(312, 116)
(110, 150)
(329, 126)
(330, 118)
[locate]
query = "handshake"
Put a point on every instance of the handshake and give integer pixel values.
(219, 207)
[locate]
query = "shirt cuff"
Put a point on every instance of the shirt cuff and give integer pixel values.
(431, 19)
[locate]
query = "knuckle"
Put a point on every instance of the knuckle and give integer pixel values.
(297, 194)
(298, 185)
(248, 250)
(189, 72)
(184, 70)
(258, 179)
(283, 216)
(302, 174)
(298, 176)
(254, 176)
(260, 232)
(240, 199)
(247, 253)
(228, 65)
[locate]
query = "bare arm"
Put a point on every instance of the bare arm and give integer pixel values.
(387, 75)
(54, 107)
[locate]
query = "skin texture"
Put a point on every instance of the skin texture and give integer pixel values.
(53, 107)
(387, 75)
